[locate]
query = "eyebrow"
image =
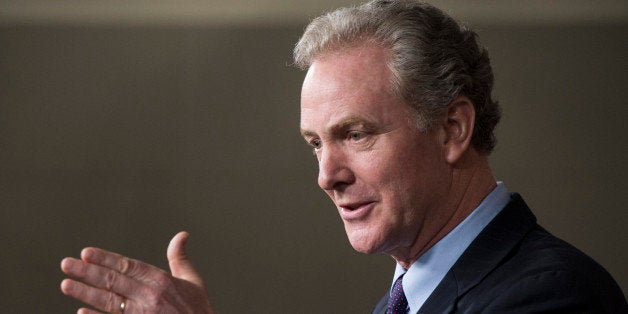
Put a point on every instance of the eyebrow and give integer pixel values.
(342, 126)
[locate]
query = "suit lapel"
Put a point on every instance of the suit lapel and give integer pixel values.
(380, 308)
(483, 255)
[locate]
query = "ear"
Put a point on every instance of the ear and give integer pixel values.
(458, 127)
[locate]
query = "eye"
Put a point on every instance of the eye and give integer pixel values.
(316, 144)
(356, 136)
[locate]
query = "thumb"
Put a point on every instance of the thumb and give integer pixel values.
(180, 266)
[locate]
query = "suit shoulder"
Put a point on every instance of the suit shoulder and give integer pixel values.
(541, 251)
(555, 291)
(545, 273)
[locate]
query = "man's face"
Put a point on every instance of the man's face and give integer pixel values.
(386, 178)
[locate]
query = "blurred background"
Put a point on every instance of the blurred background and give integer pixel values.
(123, 122)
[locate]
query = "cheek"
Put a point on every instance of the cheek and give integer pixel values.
(408, 179)
(400, 167)
(397, 169)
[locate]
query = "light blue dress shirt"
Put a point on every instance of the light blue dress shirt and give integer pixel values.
(426, 273)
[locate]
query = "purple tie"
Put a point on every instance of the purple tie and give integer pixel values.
(397, 304)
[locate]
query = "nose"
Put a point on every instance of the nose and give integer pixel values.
(334, 172)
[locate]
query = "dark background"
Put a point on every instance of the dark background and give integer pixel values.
(120, 135)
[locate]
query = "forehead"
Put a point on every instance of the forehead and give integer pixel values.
(352, 83)
(364, 65)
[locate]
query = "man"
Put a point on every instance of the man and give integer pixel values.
(397, 107)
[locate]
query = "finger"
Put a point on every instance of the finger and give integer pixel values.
(180, 265)
(101, 299)
(130, 267)
(101, 277)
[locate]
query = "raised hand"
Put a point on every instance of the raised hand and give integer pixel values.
(117, 284)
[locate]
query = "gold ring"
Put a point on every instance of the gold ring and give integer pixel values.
(123, 305)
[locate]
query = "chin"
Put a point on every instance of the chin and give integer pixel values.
(363, 242)
(365, 250)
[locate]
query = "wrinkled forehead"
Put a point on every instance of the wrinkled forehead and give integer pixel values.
(353, 85)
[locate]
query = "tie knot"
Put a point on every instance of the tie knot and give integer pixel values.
(397, 303)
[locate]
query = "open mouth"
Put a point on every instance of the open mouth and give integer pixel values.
(354, 206)
(355, 210)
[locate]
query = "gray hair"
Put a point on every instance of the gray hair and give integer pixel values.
(433, 59)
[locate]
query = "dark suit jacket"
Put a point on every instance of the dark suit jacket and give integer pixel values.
(515, 266)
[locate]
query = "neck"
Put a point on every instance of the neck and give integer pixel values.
(471, 182)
